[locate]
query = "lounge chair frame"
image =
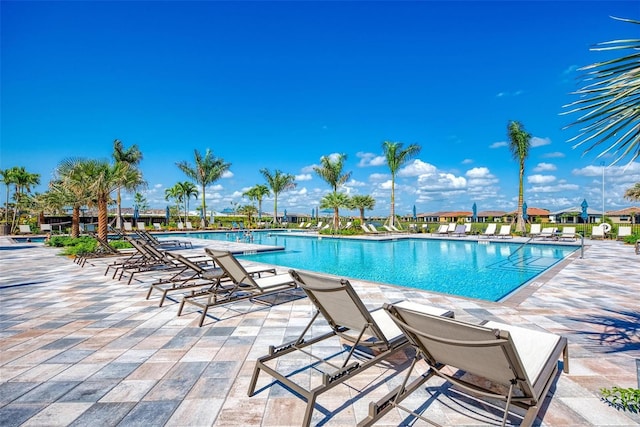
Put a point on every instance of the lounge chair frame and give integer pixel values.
(490, 345)
(349, 320)
(243, 285)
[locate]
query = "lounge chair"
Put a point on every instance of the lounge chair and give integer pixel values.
(535, 230)
(367, 230)
(443, 229)
(24, 229)
(505, 232)
(348, 319)
(153, 240)
(597, 232)
(508, 363)
(157, 226)
(467, 227)
(395, 229)
(373, 229)
(142, 226)
(568, 233)
(461, 230)
(548, 233)
(180, 225)
(46, 228)
(623, 231)
(490, 230)
(244, 285)
(452, 227)
(103, 250)
(194, 275)
(188, 225)
(127, 226)
(348, 225)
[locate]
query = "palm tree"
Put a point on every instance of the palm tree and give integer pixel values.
(330, 170)
(633, 193)
(278, 182)
(174, 193)
(207, 170)
(8, 180)
(73, 177)
(519, 144)
(23, 181)
(335, 201)
(362, 202)
(609, 101)
(187, 190)
(132, 157)
(396, 158)
(140, 202)
(257, 192)
(249, 211)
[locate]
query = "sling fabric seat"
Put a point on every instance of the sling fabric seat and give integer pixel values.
(505, 232)
(348, 319)
(460, 230)
(548, 233)
(517, 365)
(194, 275)
(535, 230)
(243, 285)
(490, 230)
(568, 233)
(443, 229)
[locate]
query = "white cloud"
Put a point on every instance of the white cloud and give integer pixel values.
(304, 177)
(539, 142)
(554, 188)
(355, 183)
(158, 186)
(540, 179)
(441, 181)
(417, 168)
(370, 159)
(545, 167)
(386, 185)
(308, 169)
(467, 161)
(216, 187)
(499, 144)
(378, 176)
(227, 174)
(478, 172)
(553, 155)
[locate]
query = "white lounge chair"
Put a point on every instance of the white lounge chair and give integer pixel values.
(490, 230)
(535, 230)
(452, 227)
(180, 225)
(505, 232)
(24, 229)
(443, 229)
(157, 226)
(127, 226)
(141, 225)
(504, 362)
(568, 233)
(461, 230)
(45, 228)
(624, 231)
(548, 233)
(188, 225)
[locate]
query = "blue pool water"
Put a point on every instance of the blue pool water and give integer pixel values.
(484, 270)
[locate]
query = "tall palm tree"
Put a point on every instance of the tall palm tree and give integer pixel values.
(609, 101)
(330, 170)
(396, 157)
(132, 157)
(278, 181)
(633, 193)
(335, 201)
(249, 211)
(207, 170)
(362, 202)
(73, 177)
(23, 181)
(8, 180)
(519, 144)
(257, 192)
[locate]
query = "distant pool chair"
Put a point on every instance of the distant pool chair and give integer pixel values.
(490, 230)
(505, 232)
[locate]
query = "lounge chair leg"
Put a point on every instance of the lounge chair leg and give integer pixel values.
(254, 379)
(181, 307)
(204, 314)
(149, 293)
(311, 404)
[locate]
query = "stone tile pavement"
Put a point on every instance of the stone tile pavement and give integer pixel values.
(78, 348)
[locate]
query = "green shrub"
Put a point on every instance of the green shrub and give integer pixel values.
(120, 244)
(622, 398)
(632, 239)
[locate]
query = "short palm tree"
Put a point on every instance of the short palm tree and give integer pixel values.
(335, 201)
(330, 170)
(8, 180)
(396, 157)
(23, 181)
(206, 170)
(362, 202)
(249, 211)
(633, 193)
(258, 193)
(609, 101)
(73, 177)
(174, 193)
(132, 157)
(519, 144)
(187, 190)
(278, 181)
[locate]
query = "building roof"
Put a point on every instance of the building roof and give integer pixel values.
(633, 210)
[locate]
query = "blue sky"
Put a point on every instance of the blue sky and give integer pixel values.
(277, 85)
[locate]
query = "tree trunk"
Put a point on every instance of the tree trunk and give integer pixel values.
(336, 218)
(119, 212)
(103, 217)
(75, 221)
(204, 208)
(361, 215)
(392, 219)
(520, 221)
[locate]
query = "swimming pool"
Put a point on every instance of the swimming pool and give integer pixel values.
(477, 269)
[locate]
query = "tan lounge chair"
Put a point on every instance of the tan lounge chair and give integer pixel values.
(127, 226)
(24, 229)
(243, 285)
(349, 319)
(597, 232)
(623, 231)
(568, 233)
(194, 275)
(548, 233)
(535, 230)
(511, 364)
(142, 226)
(443, 229)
